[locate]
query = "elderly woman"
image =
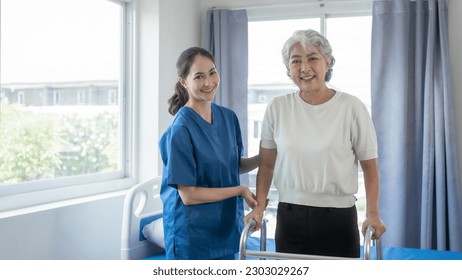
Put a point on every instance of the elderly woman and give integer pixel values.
(311, 143)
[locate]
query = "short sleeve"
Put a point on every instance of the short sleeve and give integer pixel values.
(177, 154)
(267, 131)
(240, 145)
(364, 139)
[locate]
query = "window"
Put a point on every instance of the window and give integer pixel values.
(112, 98)
(81, 97)
(71, 55)
(350, 40)
(21, 97)
(55, 97)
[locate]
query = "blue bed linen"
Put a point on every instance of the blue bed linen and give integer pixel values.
(396, 253)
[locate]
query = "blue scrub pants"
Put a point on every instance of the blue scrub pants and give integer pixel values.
(229, 257)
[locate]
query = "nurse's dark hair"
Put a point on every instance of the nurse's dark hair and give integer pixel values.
(309, 37)
(183, 65)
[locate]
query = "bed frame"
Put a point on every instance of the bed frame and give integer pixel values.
(142, 205)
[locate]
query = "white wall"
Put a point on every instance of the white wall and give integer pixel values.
(90, 228)
(166, 27)
(180, 29)
(146, 74)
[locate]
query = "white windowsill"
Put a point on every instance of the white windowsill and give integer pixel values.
(29, 202)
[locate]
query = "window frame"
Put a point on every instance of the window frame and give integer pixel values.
(322, 9)
(28, 196)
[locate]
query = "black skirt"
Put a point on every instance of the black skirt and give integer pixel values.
(322, 231)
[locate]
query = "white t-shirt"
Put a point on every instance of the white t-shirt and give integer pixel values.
(318, 148)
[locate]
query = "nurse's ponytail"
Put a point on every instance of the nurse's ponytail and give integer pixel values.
(183, 65)
(178, 99)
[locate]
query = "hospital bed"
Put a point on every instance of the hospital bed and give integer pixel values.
(143, 208)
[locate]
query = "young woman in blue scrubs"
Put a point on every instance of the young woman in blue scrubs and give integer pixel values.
(203, 201)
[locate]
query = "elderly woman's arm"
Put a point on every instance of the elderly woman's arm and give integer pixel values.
(264, 179)
(372, 182)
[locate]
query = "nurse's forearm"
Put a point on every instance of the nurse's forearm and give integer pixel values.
(248, 164)
(198, 195)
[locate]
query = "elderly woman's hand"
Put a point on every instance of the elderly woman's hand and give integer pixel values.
(374, 220)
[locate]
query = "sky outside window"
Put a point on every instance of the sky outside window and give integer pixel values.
(55, 40)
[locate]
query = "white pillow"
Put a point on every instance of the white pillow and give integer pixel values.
(154, 232)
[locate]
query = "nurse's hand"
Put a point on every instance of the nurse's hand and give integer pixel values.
(249, 197)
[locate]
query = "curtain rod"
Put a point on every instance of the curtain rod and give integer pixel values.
(275, 5)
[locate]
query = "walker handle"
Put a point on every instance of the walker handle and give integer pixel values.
(367, 244)
(248, 229)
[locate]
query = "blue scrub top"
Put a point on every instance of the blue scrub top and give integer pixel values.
(197, 153)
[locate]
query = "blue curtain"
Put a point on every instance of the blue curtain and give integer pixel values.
(227, 39)
(421, 200)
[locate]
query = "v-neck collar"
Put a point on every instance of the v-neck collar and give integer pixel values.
(190, 111)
